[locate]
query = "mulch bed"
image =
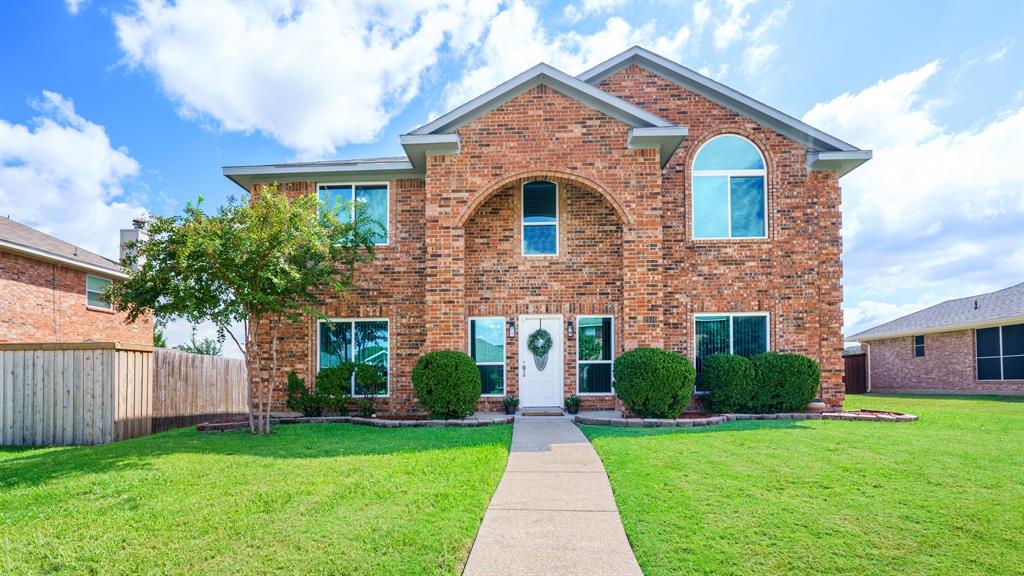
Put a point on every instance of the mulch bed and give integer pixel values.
(691, 419)
(390, 422)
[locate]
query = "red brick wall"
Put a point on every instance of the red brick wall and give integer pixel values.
(948, 364)
(44, 302)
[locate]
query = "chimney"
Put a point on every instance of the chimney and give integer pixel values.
(133, 234)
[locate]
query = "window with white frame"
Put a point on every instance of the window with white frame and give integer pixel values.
(1000, 352)
(594, 354)
(919, 346)
(359, 341)
(487, 347)
(345, 197)
(729, 199)
(94, 292)
(540, 219)
(742, 334)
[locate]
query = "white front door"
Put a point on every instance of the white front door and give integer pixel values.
(540, 379)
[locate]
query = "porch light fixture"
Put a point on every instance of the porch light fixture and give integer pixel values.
(571, 329)
(511, 328)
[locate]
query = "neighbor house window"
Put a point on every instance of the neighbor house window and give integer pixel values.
(729, 199)
(743, 334)
(359, 341)
(918, 346)
(487, 347)
(540, 219)
(345, 197)
(94, 287)
(594, 354)
(1000, 351)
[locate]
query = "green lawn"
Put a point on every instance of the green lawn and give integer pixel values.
(943, 495)
(310, 499)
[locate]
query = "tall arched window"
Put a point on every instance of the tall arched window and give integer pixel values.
(729, 199)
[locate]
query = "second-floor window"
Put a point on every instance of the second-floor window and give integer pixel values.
(540, 219)
(729, 199)
(94, 288)
(345, 198)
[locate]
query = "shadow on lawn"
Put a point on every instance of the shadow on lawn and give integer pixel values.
(297, 441)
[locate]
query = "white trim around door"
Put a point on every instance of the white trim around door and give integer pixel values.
(542, 387)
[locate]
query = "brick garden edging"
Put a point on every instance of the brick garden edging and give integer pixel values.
(723, 418)
(378, 422)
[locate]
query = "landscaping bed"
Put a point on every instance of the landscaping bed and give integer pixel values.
(408, 422)
(690, 419)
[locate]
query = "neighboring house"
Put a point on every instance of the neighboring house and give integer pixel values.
(973, 344)
(52, 291)
(638, 204)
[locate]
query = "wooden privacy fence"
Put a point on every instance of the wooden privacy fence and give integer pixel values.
(98, 392)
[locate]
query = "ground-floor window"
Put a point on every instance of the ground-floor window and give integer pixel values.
(594, 354)
(1000, 352)
(743, 334)
(359, 341)
(487, 347)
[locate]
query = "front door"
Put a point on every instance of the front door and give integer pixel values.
(540, 378)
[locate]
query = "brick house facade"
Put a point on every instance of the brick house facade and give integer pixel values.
(44, 294)
(616, 146)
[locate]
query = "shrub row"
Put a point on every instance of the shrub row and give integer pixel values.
(332, 389)
(765, 383)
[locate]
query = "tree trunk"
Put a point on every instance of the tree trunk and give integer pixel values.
(273, 370)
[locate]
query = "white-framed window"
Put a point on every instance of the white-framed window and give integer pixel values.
(1000, 352)
(487, 347)
(744, 333)
(919, 346)
(94, 288)
(375, 196)
(359, 340)
(729, 192)
(595, 354)
(540, 218)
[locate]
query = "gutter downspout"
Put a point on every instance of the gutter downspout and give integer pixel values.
(868, 364)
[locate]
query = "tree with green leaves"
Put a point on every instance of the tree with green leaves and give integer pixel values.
(203, 346)
(159, 340)
(259, 262)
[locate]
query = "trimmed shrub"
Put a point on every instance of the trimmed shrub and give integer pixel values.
(300, 399)
(447, 383)
(654, 383)
(333, 385)
(731, 381)
(785, 382)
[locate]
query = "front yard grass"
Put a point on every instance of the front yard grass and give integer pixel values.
(310, 499)
(943, 495)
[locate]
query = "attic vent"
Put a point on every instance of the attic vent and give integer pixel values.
(975, 304)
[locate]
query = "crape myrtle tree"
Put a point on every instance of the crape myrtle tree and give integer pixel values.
(258, 263)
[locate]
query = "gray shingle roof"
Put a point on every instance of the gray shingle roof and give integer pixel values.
(994, 307)
(24, 236)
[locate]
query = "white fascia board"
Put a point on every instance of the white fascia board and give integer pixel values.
(936, 329)
(246, 176)
(843, 162)
(417, 146)
(61, 260)
(665, 139)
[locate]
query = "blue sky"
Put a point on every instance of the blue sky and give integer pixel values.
(115, 108)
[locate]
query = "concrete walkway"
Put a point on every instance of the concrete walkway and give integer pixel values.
(553, 512)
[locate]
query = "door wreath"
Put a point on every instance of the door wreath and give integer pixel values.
(539, 344)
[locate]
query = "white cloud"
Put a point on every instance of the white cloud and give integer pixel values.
(75, 5)
(718, 74)
(731, 28)
(756, 58)
(575, 13)
(178, 332)
(61, 175)
(701, 14)
(312, 75)
(936, 211)
(1001, 52)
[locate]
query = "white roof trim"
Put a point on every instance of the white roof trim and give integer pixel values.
(63, 261)
(664, 139)
(246, 176)
(417, 146)
(937, 329)
(843, 161)
(556, 79)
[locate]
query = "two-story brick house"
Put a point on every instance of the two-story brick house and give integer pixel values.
(638, 204)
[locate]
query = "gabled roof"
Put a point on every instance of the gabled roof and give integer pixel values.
(1001, 306)
(720, 94)
(21, 239)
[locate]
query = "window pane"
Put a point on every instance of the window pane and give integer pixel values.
(710, 209)
(371, 347)
(749, 335)
(728, 153)
(335, 343)
(712, 336)
(539, 202)
(492, 379)
(540, 239)
(96, 300)
(337, 198)
(375, 199)
(487, 340)
(747, 207)
(595, 339)
(919, 351)
(1013, 340)
(988, 342)
(96, 284)
(1013, 368)
(918, 340)
(988, 368)
(595, 378)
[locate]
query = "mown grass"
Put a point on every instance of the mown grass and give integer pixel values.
(943, 495)
(310, 499)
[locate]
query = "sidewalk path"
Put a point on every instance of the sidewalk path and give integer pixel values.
(553, 512)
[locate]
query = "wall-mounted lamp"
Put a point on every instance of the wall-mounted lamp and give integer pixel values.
(511, 323)
(571, 329)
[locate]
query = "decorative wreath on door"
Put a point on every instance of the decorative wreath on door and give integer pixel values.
(539, 344)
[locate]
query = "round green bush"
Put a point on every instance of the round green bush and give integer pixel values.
(333, 385)
(654, 383)
(730, 380)
(447, 383)
(785, 382)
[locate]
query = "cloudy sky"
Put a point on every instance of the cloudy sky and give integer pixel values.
(110, 109)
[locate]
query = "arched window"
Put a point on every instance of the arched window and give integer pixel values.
(729, 199)
(540, 219)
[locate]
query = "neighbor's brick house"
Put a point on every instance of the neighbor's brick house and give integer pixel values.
(967, 345)
(567, 203)
(51, 291)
